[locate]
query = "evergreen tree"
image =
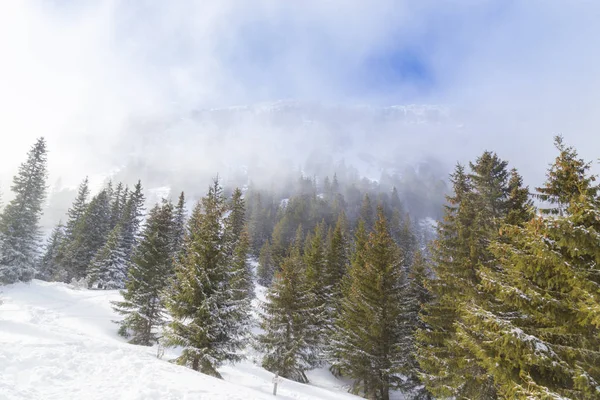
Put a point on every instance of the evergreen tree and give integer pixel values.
(539, 339)
(108, 268)
(89, 236)
(290, 337)
(315, 262)
(449, 370)
(567, 177)
(77, 210)
(207, 322)
(366, 212)
(414, 297)
(116, 213)
(19, 222)
(266, 266)
(237, 216)
(48, 268)
(150, 269)
(178, 231)
(132, 219)
(369, 327)
(242, 279)
(337, 262)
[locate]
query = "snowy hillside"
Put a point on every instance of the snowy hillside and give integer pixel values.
(58, 342)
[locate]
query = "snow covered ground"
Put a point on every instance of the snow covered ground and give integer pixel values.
(58, 342)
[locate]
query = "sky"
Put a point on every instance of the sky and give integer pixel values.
(77, 72)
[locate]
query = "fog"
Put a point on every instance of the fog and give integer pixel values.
(176, 92)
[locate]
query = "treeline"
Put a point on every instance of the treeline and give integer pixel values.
(505, 303)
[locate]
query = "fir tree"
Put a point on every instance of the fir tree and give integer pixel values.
(108, 268)
(237, 216)
(539, 338)
(48, 268)
(178, 231)
(414, 297)
(132, 219)
(19, 222)
(368, 335)
(242, 279)
(366, 212)
(89, 236)
(315, 262)
(567, 177)
(337, 262)
(150, 269)
(290, 337)
(207, 323)
(266, 266)
(116, 213)
(77, 210)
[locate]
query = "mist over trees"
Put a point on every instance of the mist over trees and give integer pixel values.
(502, 301)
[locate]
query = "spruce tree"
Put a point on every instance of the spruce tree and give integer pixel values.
(237, 215)
(78, 209)
(337, 262)
(315, 262)
(108, 269)
(366, 212)
(414, 297)
(539, 339)
(48, 268)
(116, 213)
(178, 231)
(266, 266)
(19, 222)
(149, 272)
(567, 177)
(369, 327)
(291, 338)
(449, 370)
(208, 324)
(242, 279)
(132, 219)
(89, 236)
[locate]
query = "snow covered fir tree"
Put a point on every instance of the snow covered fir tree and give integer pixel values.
(339, 274)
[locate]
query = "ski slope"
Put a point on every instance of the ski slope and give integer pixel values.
(59, 342)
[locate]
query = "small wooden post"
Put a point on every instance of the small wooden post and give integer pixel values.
(275, 382)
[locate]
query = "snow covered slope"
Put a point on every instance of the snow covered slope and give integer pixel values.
(57, 342)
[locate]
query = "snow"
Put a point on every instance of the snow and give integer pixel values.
(59, 342)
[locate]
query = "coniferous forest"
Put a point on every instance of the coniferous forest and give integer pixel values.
(501, 300)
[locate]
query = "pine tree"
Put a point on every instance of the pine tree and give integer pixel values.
(178, 231)
(483, 201)
(89, 236)
(48, 268)
(539, 339)
(242, 279)
(567, 177)
(19, 222)
(290, 337)
(77, 210)
(132, 219)
(237, 216)
(116, 213)
(366, 212)
(207, 323)
(414, 297)
(337, 262)
(108, 269)
(368, 329)
(315, 262)
(266, 266)
(448, 370)
(150, 269)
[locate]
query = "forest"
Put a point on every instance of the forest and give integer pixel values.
(498, 298)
